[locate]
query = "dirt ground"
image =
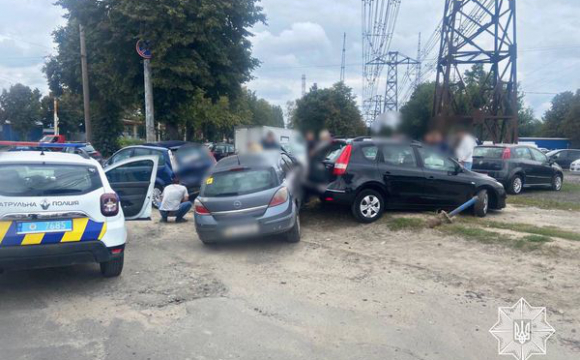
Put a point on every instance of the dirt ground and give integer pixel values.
(347, 291)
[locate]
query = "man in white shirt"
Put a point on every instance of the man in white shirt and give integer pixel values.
(464, 151)
(175, 202)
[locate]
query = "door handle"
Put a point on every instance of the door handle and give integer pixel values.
(387, 173)
(431, 178)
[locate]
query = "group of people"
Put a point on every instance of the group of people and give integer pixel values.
(461, 145)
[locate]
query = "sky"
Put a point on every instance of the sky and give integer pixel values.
(305, 37)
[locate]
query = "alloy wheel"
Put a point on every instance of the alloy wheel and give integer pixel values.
(517, 186)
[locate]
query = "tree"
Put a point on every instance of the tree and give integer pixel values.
(528, 126)
(21, 106)
(70, 113)
(197, 45)
(554, 117)
(416, 113)
(334, 109)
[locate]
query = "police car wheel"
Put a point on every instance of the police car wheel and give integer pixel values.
(113, 268)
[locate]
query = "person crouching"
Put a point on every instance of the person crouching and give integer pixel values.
(175, 202)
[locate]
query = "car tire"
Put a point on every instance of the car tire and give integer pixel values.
(113, 268)
(516, 185)
(293, 236)
(481, 206)
(557, 182)
(157, 191)
(368, 206)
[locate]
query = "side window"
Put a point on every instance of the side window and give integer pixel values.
(401, 156)
(139, 171)
(370, 152)
(160, 157)
(141, 152)
(122, 155)
(523, 153)
(435, 161)
(538, 156)
(286, 164)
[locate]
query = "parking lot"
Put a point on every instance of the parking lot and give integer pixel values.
(338, 294)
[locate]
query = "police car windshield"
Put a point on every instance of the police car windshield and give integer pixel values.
(47, 180)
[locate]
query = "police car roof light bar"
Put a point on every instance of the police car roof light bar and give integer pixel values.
(41, 145)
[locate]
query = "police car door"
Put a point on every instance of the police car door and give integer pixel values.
(133, 180)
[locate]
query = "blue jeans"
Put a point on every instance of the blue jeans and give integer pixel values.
(468, 165)
(179, 214)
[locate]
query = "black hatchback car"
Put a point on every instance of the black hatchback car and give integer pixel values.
(372, 175)
(518, 167)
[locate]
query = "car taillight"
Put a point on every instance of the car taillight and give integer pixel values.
(507, 154)
(342, 163)
(200, 209)
(109, 204)
(280, 197)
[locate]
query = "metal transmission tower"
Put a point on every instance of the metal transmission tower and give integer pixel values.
(303, 85)
(479, 32)
(343, 64)
(379, 18)
(419, 71)
(394, 60)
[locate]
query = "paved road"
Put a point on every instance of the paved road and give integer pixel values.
(347, 291)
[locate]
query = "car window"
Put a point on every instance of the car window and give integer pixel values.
(488, 152)
(538, 156)
(436, 161)
(522, 153)
(48, 179)
(122, 155)
(235, 183)
(397, 155)
(370, 152)
(138, 171)
(286, 163)
(141, 152)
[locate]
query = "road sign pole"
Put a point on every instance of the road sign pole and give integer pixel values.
(149, 117)
(55, 115)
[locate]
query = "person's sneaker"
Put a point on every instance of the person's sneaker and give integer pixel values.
(181, 221)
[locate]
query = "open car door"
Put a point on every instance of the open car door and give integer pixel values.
(133, 180)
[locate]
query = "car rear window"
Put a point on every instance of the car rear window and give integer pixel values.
(187, 154)
(488, 152)
(48, 179)
(234, 183)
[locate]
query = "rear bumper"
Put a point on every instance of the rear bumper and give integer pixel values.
(274, 221)
(55, 255)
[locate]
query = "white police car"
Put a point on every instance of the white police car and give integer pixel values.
(60, 209)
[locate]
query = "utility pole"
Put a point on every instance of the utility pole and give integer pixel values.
(419, 74)
(149, 111)
(343, 65)
(55, 116)
(85, 76)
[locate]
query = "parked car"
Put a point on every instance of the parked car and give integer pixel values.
(53, 139)
(63, 209)
(250, 195)
(222, 150)
(518, 167)
(564, 158)
(189, 161)
(372, 175)
(575, 167)
(87, 149)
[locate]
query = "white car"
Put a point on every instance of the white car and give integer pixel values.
(575, 167)
(60, 209)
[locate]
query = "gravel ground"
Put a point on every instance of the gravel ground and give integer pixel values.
(347, 291)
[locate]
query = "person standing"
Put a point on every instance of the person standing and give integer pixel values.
(464, 151)
(175, 202)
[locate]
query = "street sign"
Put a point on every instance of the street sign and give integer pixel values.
(143, 49)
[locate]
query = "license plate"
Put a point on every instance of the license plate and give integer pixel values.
(44, 227)
(241, 230)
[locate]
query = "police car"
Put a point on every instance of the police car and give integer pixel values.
(59, 209)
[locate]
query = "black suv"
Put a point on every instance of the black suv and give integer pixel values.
(372, 175)
(518, 166)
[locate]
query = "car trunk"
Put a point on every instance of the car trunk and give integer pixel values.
(322, 164)
(488, 160)
(239, 193)
(192, 162)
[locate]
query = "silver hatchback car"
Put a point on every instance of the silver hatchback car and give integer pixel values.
(250, 196)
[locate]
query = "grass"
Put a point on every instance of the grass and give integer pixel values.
(543, 203)
(404, 223)
(548, 231)
(570, 187)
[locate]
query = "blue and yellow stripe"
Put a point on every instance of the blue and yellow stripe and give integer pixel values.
(84, 229)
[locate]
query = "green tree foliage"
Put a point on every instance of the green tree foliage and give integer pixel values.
(563, 118)
(416, 113)
(334, 109)
(529, 126)
(21, 106)
(197, 45)
(70, 113)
